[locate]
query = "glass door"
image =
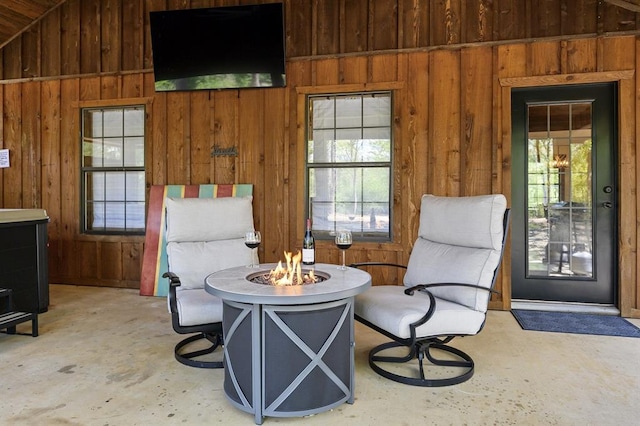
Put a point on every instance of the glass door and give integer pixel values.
(563, 194)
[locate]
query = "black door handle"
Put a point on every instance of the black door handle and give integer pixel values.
(607, 204)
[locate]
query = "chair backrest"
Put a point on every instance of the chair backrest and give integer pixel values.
(205, 235)
(460, 240)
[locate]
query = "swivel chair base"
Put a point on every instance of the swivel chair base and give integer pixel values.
(188, 358)
(420, 350)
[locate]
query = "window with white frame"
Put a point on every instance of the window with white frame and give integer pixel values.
(349, 164)
(113, 177)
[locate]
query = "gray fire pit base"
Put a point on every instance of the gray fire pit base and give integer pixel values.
(288, 361)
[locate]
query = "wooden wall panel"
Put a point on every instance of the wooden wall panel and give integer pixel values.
(2, 140)
(111, 36)
(413, 24)
(476, 121)
(276, 188)
(579, 56)
(444, 123)
(104, 36)
(12, 117)
(51, 53)
(30, 144)
(477, 21)
(90, 36)
(355, 15)
(200, 122)
(445, 24)
(326, 35)
(227, 120)
(31, 53)
(383, 25)
(546, 18)
(51, 163)
(178, 138)
(544, 58)
(451, 114)
(69, 179)
(133, 35)
(511, 19)
(69, 37)
(579, 17)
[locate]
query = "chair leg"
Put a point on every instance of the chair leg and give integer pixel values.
(419, 351)
(188, 358)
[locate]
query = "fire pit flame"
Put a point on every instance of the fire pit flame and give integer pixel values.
(289, 274)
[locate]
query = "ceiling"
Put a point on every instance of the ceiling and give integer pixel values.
(17, 16)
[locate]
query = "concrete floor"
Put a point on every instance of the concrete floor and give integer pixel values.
(105, 357)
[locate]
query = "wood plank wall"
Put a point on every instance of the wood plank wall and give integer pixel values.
(451, 114)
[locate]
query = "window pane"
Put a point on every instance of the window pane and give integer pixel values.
(135, 186)
(115, 187)
(113, 152)
(95, 215)
(94, 189)
(114, 216)
(351, 198)
(92, 123)
(321, 148)
(376, 146)
(113, 122)
(134, 152)
(135, 216)
(376, 111)
(133, 122)
(349, 112)
(323, 113)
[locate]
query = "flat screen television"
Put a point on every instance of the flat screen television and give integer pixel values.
(218, 47)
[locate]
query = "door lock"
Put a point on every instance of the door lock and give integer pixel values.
(607, 204)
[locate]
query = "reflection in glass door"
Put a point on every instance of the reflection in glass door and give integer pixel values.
(560, 237)
(563, 194)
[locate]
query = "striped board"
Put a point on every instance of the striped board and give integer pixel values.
(154, 261)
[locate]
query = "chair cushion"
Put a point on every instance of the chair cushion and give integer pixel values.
(459, 241)
(208, 219)
(390, 309)
(432, 262)
(196, 306)
(463, 221)
(193, 261)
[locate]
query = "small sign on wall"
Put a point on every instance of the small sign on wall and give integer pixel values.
(4, 158)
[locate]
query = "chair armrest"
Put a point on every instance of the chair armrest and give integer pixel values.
(174, 280)
(411, 290)
(357, 265)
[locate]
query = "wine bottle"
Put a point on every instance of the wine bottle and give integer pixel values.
(308, 246)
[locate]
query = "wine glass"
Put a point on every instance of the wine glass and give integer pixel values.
(252, 240)
(343, 241)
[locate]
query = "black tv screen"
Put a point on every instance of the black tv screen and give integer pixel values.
(218, 47)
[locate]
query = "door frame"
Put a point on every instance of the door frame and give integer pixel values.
(626, 153)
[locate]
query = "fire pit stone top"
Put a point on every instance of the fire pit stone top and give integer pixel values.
(234, 284)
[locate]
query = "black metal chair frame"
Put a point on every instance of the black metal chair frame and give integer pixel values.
(211, 332)
(420, 347)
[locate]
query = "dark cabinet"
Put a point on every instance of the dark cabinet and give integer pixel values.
(23, 258)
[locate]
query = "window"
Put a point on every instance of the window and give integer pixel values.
(349, 164)
(113, 178)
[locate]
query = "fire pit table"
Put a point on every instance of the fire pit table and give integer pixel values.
(288, 349)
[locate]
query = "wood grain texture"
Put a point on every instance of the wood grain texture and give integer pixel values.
(451, 115)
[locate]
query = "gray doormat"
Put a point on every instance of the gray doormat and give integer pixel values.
(570, 322)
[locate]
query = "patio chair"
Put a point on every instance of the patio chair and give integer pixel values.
(447, 286)
(203, 235)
